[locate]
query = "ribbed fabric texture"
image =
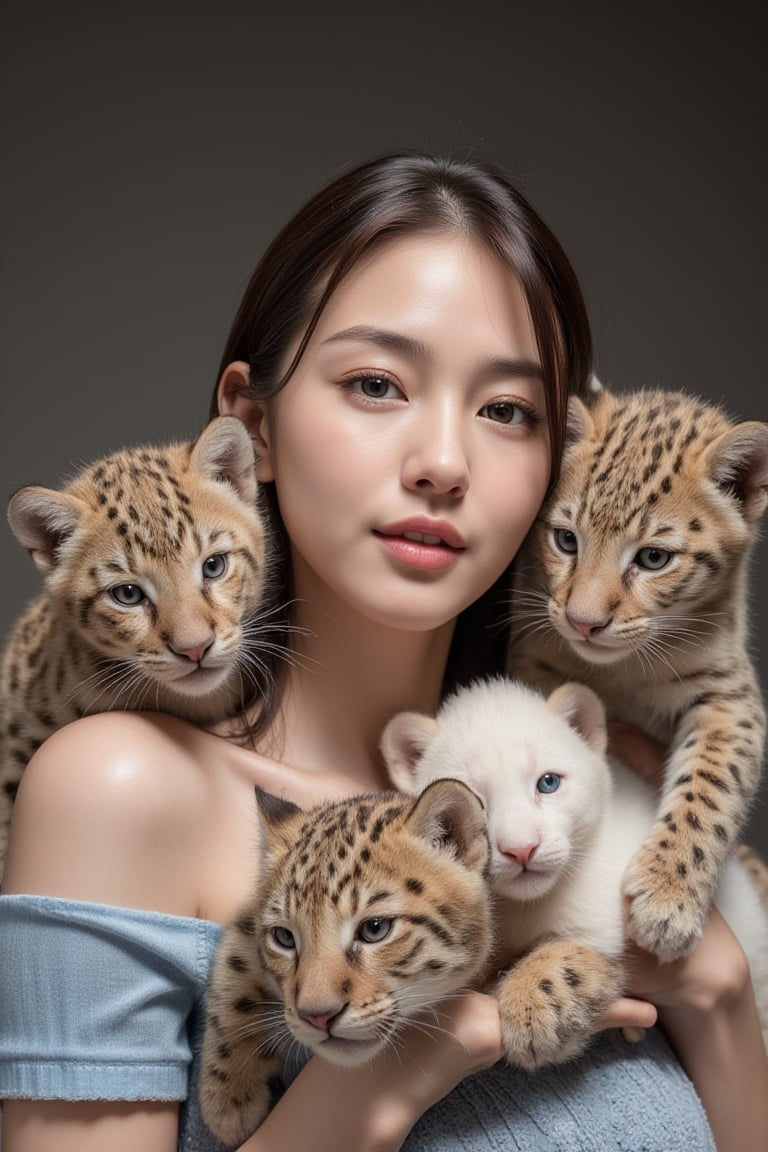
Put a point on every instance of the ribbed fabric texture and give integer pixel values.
(617, 1098)
(105, 1003)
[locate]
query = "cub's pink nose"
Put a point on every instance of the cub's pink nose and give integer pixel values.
(521, 855)
(320, 1018)
(586, 626)
(195, 654)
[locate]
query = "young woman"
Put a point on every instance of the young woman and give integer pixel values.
(402, 358)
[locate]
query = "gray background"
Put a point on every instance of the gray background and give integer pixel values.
(151, 149)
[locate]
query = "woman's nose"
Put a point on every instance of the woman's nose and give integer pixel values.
(437, 457)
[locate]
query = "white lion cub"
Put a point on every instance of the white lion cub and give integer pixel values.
(563, 825)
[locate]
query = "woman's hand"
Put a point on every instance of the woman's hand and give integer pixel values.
(712, 975)
(706, 1001)
(384, 1099)
(706, 1005)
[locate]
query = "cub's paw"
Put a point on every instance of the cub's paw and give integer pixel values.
(550, 1001)
(232, 1113)
(669, 891)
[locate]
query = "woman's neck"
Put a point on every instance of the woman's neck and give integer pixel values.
(349, 676)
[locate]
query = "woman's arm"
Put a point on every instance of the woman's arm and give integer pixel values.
(54, 1126)
(105, 813)
(706, 1003)
(707, 1008)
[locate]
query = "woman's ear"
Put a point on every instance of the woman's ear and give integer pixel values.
(234, 399)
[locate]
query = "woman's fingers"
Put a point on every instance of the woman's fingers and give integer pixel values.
(626, 1012)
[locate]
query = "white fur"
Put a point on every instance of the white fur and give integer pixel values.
(500, 737)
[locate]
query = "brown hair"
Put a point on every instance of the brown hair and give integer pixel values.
(384, 199)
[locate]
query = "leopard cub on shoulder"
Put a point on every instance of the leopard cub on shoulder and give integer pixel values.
(367, 911)
(153, 561)
(634, 581)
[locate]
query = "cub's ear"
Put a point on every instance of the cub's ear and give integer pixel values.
(276, 821)
(579, 422)
(42, 520)
(583, 711)
(449, 816)
(404, 741)
(738, 463)
(224, 451)
(274, 810)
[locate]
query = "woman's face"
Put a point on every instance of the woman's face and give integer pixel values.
(410, 449)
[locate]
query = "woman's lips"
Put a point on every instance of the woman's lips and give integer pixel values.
(429, 545)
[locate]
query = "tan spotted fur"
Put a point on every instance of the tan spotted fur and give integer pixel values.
(368, 911)
(149, 518)
(663, 644)
(756, 869)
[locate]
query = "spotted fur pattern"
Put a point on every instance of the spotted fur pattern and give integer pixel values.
(757, 870)
(634, 582)
(367, 912)
(153, 562)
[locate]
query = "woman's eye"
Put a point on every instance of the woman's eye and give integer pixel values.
(375, 930)
(653, 559)
(129, 595)
(505, 412)
(549, 782)
(565, 541)
(214, 566)
(283, 937)
(375, 387)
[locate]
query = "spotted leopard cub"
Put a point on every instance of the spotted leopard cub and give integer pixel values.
(367, 912)
(153, 562)
(634, 581)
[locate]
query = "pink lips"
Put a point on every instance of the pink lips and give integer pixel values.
(419, 542)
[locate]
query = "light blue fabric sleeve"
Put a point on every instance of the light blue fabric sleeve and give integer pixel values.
(95, 1001)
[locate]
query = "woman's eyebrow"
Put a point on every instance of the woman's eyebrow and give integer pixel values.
(408, 346)
(382, 338)
(499, 366)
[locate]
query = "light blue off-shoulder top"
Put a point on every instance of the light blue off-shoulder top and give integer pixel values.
(104, 1003)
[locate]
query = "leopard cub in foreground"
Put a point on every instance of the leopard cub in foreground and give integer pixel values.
(366, 913)
(634, 581)
(563, 825)
(153, 562)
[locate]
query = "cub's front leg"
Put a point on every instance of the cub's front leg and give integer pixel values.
(710, 780)
(243, 1026)
(551, 999)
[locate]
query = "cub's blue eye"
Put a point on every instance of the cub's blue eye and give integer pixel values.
(375, 930)
(284, 937)
(129, 595)
(215, 566)
(549, 782)
(566, 541)
(653, 559)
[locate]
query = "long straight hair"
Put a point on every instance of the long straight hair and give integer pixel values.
(386, 199)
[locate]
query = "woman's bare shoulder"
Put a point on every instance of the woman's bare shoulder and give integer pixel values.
(109, 808)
